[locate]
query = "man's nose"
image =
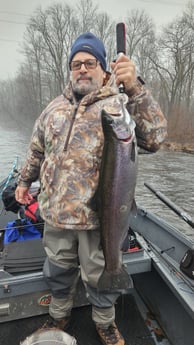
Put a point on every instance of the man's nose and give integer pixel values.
(83, 67)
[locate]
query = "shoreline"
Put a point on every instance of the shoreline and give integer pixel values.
(187, 147)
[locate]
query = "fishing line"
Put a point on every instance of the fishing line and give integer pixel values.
(22, 226)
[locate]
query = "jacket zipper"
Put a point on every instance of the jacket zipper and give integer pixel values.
(70, 129)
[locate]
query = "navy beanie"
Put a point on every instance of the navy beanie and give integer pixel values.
(91, 44)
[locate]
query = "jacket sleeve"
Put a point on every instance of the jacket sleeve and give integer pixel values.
(151, 125)
(35, 155)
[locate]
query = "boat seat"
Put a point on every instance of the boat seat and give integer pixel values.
(23, 256)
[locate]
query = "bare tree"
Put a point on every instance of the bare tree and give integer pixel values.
(7, 92)
(140, 28)
(141, 43)
(173, 62)
(87, 11)
(33, 71)
(165, 62)
(53, 25)
(188, 21)
(105, 29)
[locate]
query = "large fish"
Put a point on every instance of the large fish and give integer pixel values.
(116, 191)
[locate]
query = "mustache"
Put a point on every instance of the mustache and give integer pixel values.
(84, 77)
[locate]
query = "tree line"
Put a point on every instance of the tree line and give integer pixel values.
(165, 60)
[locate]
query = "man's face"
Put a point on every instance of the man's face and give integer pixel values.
(84, 80)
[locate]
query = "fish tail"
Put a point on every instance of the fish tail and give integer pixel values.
(119, 280)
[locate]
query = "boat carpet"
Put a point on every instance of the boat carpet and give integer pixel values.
(128, 319)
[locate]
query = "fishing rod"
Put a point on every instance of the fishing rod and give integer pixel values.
(172, 267)
(121, 45)
(181, 213)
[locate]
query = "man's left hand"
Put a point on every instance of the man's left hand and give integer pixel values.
(125, 72)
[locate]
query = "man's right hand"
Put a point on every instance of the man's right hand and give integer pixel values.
(22, 195)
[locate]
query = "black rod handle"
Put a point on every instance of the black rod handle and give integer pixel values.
(121, 45)
(121, 38)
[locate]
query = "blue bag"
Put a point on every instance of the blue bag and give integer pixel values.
(20, 230)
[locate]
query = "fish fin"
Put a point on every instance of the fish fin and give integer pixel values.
(120, 280)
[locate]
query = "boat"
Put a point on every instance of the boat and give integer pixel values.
(159, 309)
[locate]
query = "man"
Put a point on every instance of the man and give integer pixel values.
(65, 154)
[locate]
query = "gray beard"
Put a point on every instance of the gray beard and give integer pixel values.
(83, 90)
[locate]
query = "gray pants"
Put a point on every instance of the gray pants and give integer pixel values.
(69, 254)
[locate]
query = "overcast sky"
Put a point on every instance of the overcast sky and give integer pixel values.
(15, 13)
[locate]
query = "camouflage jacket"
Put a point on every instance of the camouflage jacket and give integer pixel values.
(66, 148)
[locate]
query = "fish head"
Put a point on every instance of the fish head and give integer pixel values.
(117, 124)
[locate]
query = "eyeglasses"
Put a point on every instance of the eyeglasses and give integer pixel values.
(89, 64)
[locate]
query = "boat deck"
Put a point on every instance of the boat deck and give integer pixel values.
(128, 317)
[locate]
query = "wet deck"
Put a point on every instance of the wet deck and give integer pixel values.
(128, 318)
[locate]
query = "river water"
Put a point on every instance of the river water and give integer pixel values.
(168, 172)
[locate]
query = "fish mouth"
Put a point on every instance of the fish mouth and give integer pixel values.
(123, 126)
(121, 130)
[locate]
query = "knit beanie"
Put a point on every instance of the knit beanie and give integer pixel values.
(89, 43)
